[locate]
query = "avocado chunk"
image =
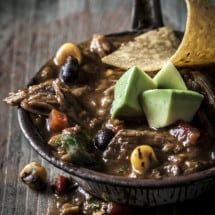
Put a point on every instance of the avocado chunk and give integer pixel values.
(169, 78)
(164, 107)
(127, 91)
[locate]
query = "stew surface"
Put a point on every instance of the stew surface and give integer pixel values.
(87, 135)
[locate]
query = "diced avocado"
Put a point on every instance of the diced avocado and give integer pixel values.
(164, 107)
(169, 78)
(127, 91)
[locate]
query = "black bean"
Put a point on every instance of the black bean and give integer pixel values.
(103, 137)
(69, 71)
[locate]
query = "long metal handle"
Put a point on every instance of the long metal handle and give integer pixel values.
(146, 14)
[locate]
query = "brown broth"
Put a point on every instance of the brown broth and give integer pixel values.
(94, 91)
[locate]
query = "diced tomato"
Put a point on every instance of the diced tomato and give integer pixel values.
(58, 121)
(61, 185)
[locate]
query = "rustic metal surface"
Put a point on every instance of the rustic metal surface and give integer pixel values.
(30, 33)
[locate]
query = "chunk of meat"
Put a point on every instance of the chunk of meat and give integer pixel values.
(44, 97)
(100, 45)
(38, 99)
(119, 150)
(185, 133)
(14, 98)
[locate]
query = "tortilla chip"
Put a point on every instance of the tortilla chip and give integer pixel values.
(149, 51)
(198, 45)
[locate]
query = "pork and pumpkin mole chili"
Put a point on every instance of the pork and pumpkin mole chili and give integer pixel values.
(70, 105)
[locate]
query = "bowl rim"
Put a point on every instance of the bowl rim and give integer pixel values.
(44, 150)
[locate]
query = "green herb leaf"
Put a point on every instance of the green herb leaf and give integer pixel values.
(76, 146)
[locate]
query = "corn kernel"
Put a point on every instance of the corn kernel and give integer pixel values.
(66, 50)
(142, 158)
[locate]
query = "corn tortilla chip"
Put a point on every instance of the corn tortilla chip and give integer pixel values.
(198, 45)
(149, 51)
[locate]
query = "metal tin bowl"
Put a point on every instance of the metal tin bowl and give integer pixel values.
(130, 191)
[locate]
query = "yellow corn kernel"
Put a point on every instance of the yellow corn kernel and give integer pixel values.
(109, 72)
(66, 50)
(142, 158)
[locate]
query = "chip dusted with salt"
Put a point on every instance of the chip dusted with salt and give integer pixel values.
(148, 51)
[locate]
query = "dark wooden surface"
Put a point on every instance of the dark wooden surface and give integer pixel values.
(30, 33)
